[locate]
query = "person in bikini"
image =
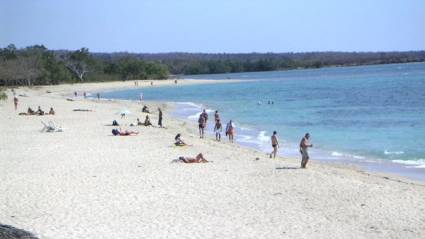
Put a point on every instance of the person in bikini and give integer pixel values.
(230, 130)
(198, 159)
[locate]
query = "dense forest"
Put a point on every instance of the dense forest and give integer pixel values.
(200, 63)
(36, 65)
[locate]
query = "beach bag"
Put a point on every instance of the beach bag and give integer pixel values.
(115, 132)
(114, 123)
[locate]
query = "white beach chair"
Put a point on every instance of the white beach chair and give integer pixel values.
(50, 127)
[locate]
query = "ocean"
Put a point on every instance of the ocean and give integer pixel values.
(372, 116)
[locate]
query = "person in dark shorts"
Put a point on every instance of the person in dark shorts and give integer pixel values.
(275, 144)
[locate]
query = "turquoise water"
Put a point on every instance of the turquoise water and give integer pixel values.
(371, 115)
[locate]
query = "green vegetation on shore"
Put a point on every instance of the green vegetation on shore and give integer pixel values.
(36, 65)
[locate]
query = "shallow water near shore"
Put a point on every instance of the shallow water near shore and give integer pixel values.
(373, 116)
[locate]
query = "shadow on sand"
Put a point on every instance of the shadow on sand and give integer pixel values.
(279, 168)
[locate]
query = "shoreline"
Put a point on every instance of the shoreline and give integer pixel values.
(381, 166)
(84, 183)
(367, 164)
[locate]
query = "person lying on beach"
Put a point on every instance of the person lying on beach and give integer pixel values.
(145, 109)
(120, 132)
(198, 159)
(147, 121)
(51, 111)
(179, 141)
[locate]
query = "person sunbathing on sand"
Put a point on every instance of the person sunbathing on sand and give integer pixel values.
(120, 132)
(52, 111)
(199, 159)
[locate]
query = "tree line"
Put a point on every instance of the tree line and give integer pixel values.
(202, 63)
(36, 65)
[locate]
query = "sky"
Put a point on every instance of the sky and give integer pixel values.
(215, 26)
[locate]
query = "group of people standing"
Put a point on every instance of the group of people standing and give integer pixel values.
(230, 132)
(218, 127)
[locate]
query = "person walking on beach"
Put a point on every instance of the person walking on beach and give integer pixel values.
(304, 145)
(217, 130)
(205, 115)
(15, 102)
(216, 116)
(160, 117)
(275, 145)
(98, 96)
(230, 130)
(202, 123)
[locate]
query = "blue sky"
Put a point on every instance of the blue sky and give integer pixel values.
(215, 26)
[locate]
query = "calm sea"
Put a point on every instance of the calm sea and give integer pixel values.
(373, 116)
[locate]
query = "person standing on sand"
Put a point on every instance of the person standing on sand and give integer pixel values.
(217, 130)
(275, 145)
(205, 115)
(202, 123)
(304, 145)
(160, 117)
(230, 130)
(216, 116)
(15, 102)
(98, 96)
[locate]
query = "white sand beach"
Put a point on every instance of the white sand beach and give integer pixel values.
(86, 183)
